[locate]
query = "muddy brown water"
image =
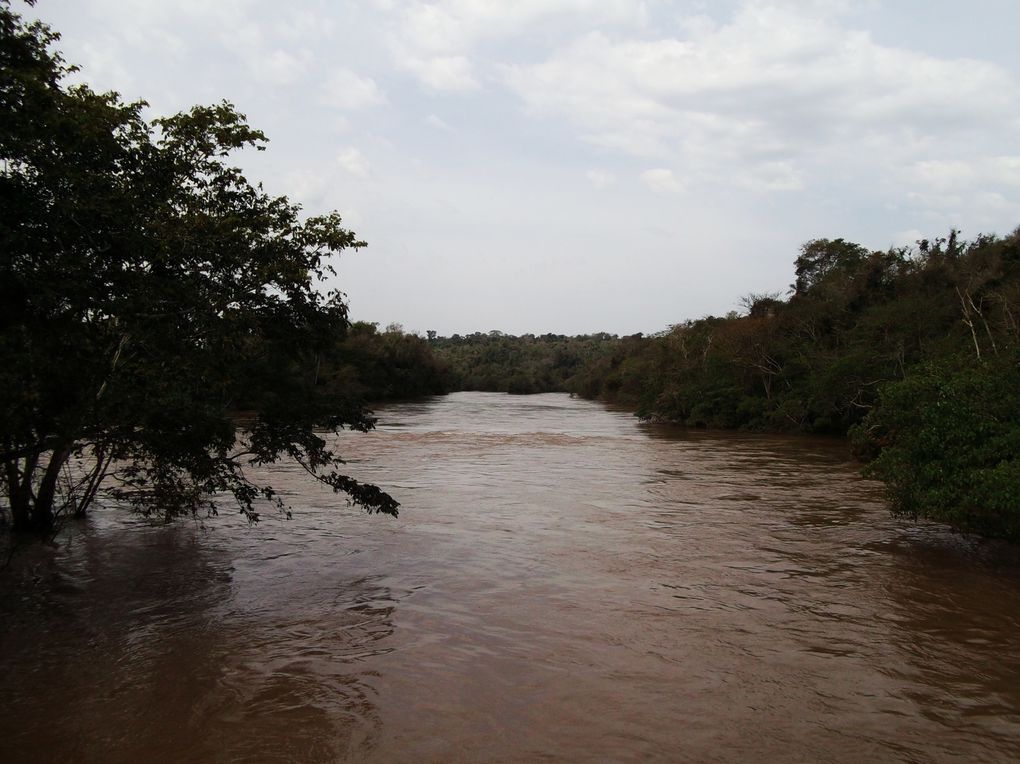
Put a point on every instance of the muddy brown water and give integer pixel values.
(563, 584)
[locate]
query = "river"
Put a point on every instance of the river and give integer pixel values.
(564, 583)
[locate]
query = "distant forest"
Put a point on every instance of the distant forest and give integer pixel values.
(913, 353)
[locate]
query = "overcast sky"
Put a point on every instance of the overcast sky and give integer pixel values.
(589, 165)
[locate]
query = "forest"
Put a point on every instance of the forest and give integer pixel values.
(911, 353)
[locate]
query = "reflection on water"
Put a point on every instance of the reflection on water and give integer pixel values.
(153, 644)
(563, 583)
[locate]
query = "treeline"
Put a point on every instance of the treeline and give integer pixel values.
(366, 364)
(911, 352)
(817, 360)
(504, 363)
(372, 365)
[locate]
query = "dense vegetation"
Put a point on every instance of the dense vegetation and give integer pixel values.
(504, 363)
(147, 291)
(948, 444)
(368, 365)
(384, 365)
(913, 352)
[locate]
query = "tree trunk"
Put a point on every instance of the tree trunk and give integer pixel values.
(19, 492)
(43, 515)
(33, 511)
(103, 460)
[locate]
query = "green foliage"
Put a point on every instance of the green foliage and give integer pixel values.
(147, 290)
(856, 341)
(497, 362)
(816, 361)
(364, 363)
(822, 259)
(948, 445)
(377, 366)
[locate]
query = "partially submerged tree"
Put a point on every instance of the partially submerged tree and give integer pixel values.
(148, 294)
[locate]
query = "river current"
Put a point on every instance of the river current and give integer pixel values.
(563, 583)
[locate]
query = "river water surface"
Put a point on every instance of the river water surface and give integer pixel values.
(563, 584)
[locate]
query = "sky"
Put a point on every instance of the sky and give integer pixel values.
(574, 166)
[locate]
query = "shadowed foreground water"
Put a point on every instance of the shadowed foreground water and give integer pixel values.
(563, 583)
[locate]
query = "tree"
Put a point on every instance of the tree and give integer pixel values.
(948, 445)
(149, 292)
(821, 257)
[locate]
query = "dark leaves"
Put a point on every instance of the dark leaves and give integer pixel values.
(151, 293)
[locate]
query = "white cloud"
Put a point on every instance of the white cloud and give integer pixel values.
(152, 13)
(105, 68)
(661, 181)
(942, 175)
(771, 176)
(351, 217)
(271, 40)
(439, 41)
(978, 188)
(280, 67)
(962, 174)
(354, 162)
(304, 25)
(434, 28)
(776, 98)
(433, 120)
(347, 90)
(306, 187)
(991, 209)
(443, 73)
(600, 178)
(1006, 169)
(846, 132)
(457, 25)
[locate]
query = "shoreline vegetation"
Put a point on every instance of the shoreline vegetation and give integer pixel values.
(149, 291)
(179, 295)
(912, 354)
